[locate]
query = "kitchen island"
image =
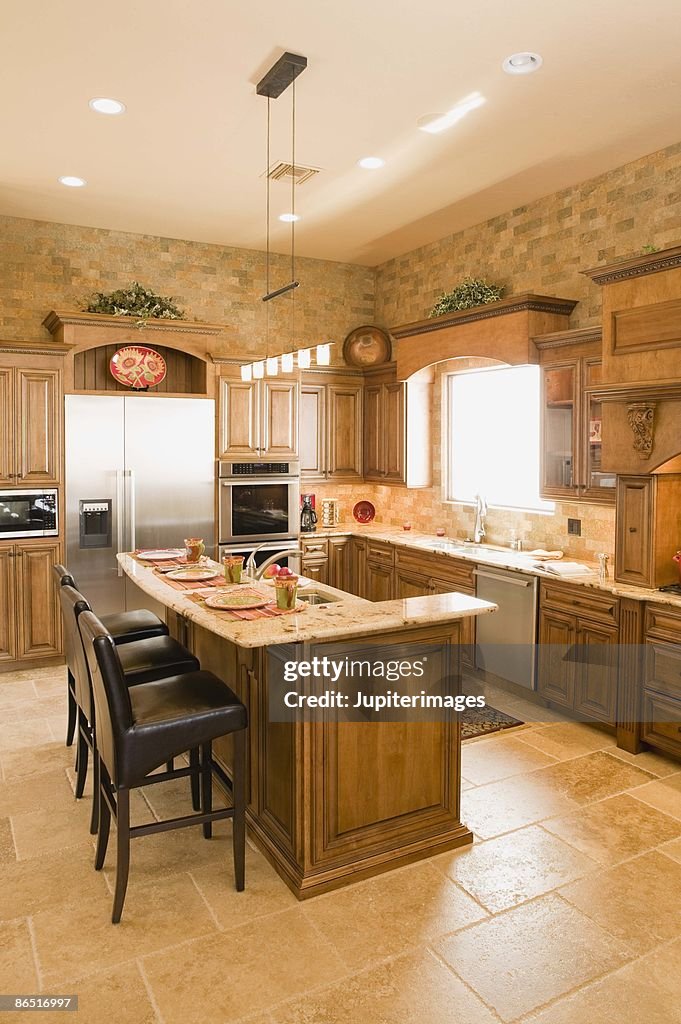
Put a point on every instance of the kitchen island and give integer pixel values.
(332, 801)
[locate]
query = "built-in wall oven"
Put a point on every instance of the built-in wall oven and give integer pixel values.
(259, 501)
(28, 513)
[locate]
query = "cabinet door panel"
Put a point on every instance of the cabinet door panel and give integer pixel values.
(379, 582)
(316, 569)
(596, 671)
(557, 635)
(633, 544)
(393, 432)
(411, 584)
(560, 393)
(339, 562)
(358, 567)
(7, 417)
(38, 408)
(39, 632)
(238, 418)
(313, 432)
(345, 431)
(373, 432)
(7, 605)
(467, 625)
(280, 418)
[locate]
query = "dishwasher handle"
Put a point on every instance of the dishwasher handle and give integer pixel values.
(502, 579)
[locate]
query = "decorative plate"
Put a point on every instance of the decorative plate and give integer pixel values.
(236, 601)
(367, 346)
(193, 575)
(364, 512)
(160, 555)
(138, 367)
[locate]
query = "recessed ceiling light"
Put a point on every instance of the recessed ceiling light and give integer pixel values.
(435, 123)
(288, 218)
(371, 163)
(522, 63)
(107, 106)
(72, 181)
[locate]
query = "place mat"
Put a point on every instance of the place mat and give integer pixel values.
(269, 611)
(157, 563)
(219, 581)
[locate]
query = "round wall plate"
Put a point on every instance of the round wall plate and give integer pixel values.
(138, 367)
(367, 346)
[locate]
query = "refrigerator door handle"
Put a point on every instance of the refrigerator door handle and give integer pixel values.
(119, 517)
(131, 507)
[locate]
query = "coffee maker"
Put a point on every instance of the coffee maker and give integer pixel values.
(308, 516)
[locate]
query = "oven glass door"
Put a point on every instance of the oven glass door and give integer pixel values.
(259, 510)
(25, 513)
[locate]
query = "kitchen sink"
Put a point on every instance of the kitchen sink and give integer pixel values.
(315, 597)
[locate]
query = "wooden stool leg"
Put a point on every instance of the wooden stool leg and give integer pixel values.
(94, 817)
(122, 851)
(206, 787)
(82, 756)
(170, 764)
(239, 801)
(195, 778)
(72, 711)
(104, 816)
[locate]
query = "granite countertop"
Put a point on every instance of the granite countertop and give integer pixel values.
(481, 554)
(349, 617)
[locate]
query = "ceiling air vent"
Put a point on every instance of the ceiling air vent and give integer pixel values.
(284, 171)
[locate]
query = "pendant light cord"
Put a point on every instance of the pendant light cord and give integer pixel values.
(293, 211)
(267, 229)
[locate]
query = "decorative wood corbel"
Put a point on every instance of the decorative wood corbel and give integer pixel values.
(641, 416)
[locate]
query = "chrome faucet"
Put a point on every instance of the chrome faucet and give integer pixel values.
(250, 561)
(288, 553)
(480, 513)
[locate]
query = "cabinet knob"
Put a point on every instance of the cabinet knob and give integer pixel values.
(632, 529)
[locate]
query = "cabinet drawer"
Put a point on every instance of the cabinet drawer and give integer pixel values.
(662, 722)
(664, 621)
(377, 551)
(663, 668)
(447, 573)
(591, 604)
(316, 547)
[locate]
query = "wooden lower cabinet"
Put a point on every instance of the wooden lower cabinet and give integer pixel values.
(356, 581)
(379, 581)
(30, 622)
(556, 675)
(596, 674)
(662, 679)
(339, 561)
(411, 584)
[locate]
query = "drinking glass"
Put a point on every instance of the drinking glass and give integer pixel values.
(234, 565)
(193, 549)
(286, 590)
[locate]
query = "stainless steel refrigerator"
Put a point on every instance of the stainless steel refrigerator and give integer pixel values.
(140, 473)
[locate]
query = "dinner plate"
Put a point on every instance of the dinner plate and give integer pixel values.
(193, 575)
(160, 555)
(236, 601)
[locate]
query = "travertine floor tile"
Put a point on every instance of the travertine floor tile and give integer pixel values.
(639, 902)
(154, 916)
(506, 871)
(14, 690)
(7, 851)
(385, 915)
(17, 965)
(265, 892)
(50, 682)
(592, 777)
(647, 990)
(615, 829)
(569, 739)
(118, 996)
(498, 758)
(44, 831)
(656, 764)
(511, 803)
(173, 799)
(412, 989)
(672, 849)
(49, 789)
(20, 764)
(520, 960)
(30, 734)
(665, 794)
(262, 963)
(65, 877)
(169, 853)
(31, 707)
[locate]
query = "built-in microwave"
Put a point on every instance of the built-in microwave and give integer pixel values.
(259, 501)
(28, 513)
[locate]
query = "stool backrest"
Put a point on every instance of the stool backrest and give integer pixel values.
(112, 700)
(63, 577)
(72, 605)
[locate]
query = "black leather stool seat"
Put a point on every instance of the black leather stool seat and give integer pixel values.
(157, 657)
(176, 715)
(135, 625)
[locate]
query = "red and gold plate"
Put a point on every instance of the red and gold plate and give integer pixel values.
(138, 367)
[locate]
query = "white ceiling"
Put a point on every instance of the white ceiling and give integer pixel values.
(187, 158)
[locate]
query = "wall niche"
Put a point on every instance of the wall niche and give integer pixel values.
(186, 373)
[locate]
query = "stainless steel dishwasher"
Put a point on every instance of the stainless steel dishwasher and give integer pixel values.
(506, 639)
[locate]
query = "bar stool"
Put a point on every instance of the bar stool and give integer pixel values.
(141, 728)
(125, 627)
(142, 661)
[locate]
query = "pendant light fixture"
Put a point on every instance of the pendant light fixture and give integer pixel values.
(281, 75)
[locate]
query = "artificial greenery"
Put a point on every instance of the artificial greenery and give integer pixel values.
(135, 301)
(471, 292)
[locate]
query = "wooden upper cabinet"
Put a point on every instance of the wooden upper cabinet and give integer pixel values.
(394, 439)
(30, 426)
(344, 435)
(279, 418)
(373, 432)
(313, 431)
(560, 397)
(647, 533)
(258, 418)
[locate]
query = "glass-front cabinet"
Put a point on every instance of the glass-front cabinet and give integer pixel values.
(572, 440)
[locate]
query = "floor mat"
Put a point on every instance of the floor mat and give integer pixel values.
(478, 721)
